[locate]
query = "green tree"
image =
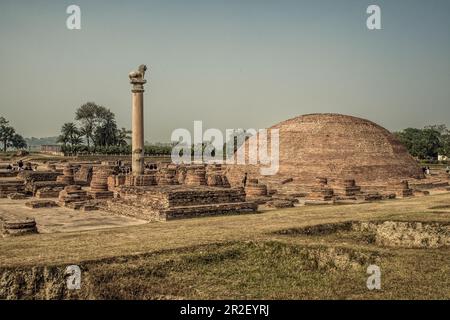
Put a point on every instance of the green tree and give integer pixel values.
(6, 133)
(123, 137)
(18, 142)
(90, 116)
(106, 132)
(70, 135)
(424, 143)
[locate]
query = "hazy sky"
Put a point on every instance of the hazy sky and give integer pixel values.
(232, 64)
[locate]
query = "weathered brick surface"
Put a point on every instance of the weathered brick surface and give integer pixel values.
(48, 192)
(175, 202)
(17, 196)
(34, 180)
(36, 204)
(99, 183)
(84, 175)
(67, 177)
(8, 187)
(32, 176)
(18, 227)
(45, 186)
(333, 146)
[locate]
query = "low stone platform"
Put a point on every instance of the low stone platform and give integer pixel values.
(37, 204)
(13, 228)
(160, 203)
(8, 174)
(8, 187)
(45, 189)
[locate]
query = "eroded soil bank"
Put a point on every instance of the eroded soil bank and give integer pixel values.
(401, 234)
(229, 270)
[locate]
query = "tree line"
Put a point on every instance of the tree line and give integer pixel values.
(96, 127)
(426, 143)
(95, 131)
(9, 138)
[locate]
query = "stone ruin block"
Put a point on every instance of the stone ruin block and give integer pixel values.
(144, 180)
(195, 176)
(17, 196)
(48, 192)
(112, 182)
(255, 189)
(49, 188)
(82, 205)
(135, 181)
(51, 167)
(280, 204)
(257, 192)
(67, 177)
(176, 202)
(33, 180)
(225, 182)
(9, 187)
(72, 194)
(37, 204)
(402, 189)
(216, 177)
(89, 207)
(287, 180)
(12, 228)
(318, 202)
(321, 191)
(373, 196)
(101, 195)
(207, 210)
(129, 180)
(32, 176)
(181, 174)
(74, 197)
(100, 181)
(322, 181)
(83, 176)
(166, 176)
(99, 184)
(214, 180)
(349, 188)
(8, 174)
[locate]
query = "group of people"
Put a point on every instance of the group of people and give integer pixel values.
(21, 166)
(427, 171)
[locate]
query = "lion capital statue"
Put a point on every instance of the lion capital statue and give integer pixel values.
(138, 75)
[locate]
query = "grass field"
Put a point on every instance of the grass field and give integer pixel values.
(247, 257)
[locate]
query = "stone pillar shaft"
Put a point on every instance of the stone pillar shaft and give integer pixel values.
(138, 133)
(137, 105)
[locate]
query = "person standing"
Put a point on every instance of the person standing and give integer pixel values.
(244, 181)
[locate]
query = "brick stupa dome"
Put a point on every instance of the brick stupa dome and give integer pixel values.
(336, 147)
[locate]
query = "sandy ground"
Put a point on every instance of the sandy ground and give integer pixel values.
(60, 219)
